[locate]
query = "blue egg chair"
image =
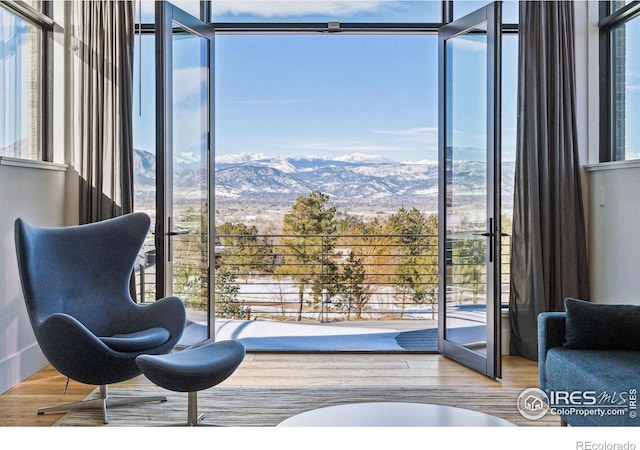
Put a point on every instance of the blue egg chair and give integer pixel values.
(76, 282)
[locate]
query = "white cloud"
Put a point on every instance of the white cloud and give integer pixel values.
(411, 132)
(267, 102)
(471, 43)
(428, 136)
(633, 74)
(190, 128)
(509, 140)
(396, 148)
(333, 147)
(268, 8)
(188, 85)
(466, 138)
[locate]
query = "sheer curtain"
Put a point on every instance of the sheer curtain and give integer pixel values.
(548, 253)
(106, 31)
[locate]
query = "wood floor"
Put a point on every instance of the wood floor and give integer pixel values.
(19, 405)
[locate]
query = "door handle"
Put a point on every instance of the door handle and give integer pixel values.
(172, 233)
(490, 234)
(486, 234)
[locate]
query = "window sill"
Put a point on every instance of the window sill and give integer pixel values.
(613, 165)
(29, 164)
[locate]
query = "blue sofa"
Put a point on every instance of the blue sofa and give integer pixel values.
(589, 363)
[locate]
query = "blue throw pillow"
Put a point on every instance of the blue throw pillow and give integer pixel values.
(601, 327)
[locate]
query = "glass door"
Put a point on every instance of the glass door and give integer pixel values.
(184, 117)
(469, 206)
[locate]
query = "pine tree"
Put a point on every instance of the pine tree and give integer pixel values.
(308, 246)
(244, 251)
(354, 293)
(417, 269)
(227, 294)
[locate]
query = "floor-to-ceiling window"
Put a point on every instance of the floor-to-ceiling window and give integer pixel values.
(338, 98)
(620, 80)
(24, 35)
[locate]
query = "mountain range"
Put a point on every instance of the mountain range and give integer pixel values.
(353, 178)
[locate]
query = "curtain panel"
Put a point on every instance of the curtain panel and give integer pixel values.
(548, 252)
(106, 32)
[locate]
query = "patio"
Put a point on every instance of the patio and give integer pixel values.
(362, 336)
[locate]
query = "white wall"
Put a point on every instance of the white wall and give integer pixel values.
(37, 195)
(614, 232)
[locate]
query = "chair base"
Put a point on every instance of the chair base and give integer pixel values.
(193, 418)
(103, 402)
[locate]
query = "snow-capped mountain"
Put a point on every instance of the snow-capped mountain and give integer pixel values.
(352, 177)
(239, 158)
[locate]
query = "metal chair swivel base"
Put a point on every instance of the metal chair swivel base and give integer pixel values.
(193, 418)
(103, 402)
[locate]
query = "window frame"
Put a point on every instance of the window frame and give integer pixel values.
(609, 22)
(43, 21)
(264, 27)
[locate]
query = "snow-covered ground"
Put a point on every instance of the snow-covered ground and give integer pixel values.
(273, 335)
(466, 325)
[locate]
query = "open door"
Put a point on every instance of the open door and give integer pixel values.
(469, 212)
(184, 149)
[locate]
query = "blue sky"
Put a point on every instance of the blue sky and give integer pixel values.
(327, 94)
(337, 94)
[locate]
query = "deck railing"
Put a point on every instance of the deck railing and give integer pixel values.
(327, 277)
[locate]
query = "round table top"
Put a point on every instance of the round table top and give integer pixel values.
(393, 414)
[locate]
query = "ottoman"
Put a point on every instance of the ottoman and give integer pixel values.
(192, 370)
